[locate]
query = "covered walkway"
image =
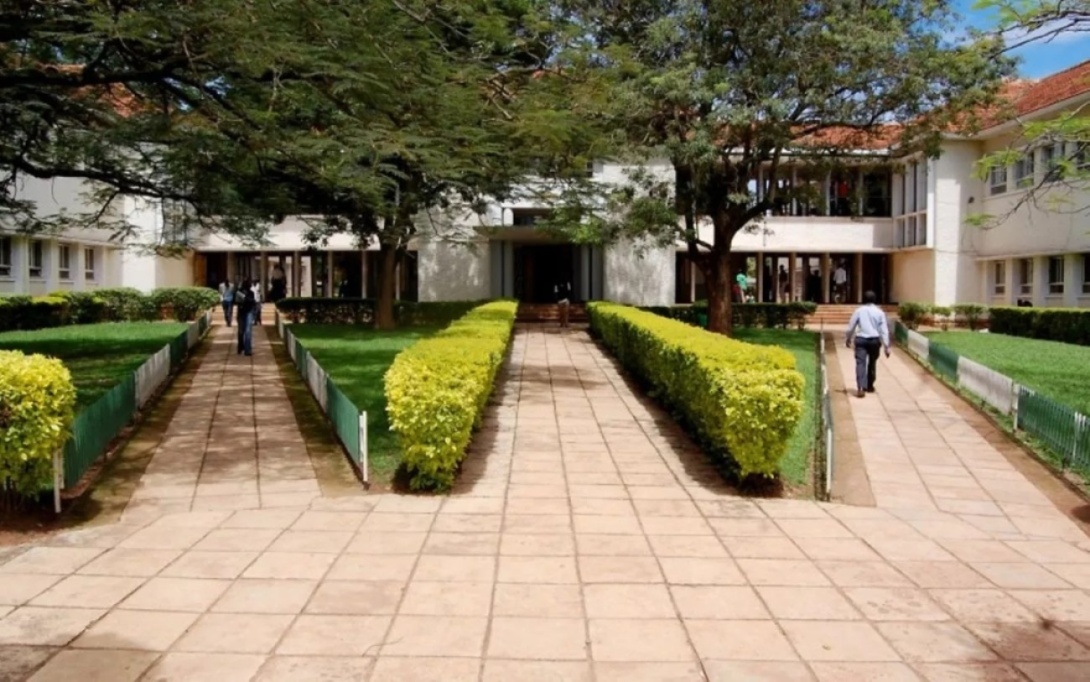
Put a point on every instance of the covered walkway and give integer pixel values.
(587, 540)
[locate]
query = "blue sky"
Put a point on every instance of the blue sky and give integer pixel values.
(1039, 58)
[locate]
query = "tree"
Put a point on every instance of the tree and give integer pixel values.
(725, 91)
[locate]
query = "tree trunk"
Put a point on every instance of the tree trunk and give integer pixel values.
(387, 287)
(719, 279)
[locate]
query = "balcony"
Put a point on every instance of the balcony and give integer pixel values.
(816, 234)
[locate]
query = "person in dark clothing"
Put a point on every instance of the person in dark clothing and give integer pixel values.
(562, 290)
(246, 303)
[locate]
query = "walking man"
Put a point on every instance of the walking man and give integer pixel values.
(562, 290)
(245, 300)
(227, 299)
(872, 336)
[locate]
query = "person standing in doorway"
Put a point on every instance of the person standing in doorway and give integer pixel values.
(869, 331)
(256, 289)
(227, 299)
(785, 285)
(245, 299)
(563, 300)
(840, 283)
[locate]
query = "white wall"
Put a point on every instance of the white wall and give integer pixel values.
(953, 185)
(639, 276)
(913, 276)
(813, 235)
(453, 272)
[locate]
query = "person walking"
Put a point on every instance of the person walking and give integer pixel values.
(563, 300)
(873, 335)
(245, 299)
(840, 283)
(227, 299)
(256, 288)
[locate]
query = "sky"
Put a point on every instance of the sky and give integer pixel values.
(1039, 58)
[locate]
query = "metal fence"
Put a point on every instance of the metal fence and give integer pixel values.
(828, 442)
(349, 422)
(99, 423)
(1064, 432)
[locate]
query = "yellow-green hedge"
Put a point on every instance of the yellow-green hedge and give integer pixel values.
(436, 391)
(742, 399)
(37, 405)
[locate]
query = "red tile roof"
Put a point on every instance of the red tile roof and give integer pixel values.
(1024, 97)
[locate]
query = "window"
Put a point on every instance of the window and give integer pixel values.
(999, 277)
(1023, 171)
(1050, 161)
(997, 180)
(1086, 273)
(89, 264)
(1056, 275)
(1025, 276)
(1080, 154)
(37, 257)
(5, 256)
(64, 262)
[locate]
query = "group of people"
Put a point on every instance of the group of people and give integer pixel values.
(246, 299)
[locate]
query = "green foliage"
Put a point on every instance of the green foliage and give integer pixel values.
(744, 401)
(1068, 325)
(362, 311)
(745, 315)
(84, 307)
(37, 312)
(37, 402)
(185, 303)
(436, 391)
(911, 314)
(126, 304)
(971, 314)
(940, 315)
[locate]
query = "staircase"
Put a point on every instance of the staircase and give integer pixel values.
(834, 315)
(549, 313)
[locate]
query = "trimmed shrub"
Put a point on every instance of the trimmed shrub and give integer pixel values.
(1068, 325)
(436, 391)
(126, 304)
(362, 311)
(742, 400)
(185, 303)
(971, 314)
(940, 315)
(37, 406)
(768, 315)
(84, 307)
(432, 313)
(912, 314)
(27, 313)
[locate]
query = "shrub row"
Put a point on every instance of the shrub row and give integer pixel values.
(1069, 325)
(971, 315)
(362, 311)
(37, 406)
(183, 304)
(436, 391)
(768, 315)
(742, 400)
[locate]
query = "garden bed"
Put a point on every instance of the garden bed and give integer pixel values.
(1059, 371)
(98, 356)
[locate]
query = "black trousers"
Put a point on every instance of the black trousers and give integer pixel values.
(866, 362)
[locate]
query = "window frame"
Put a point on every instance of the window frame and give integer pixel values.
(1028, 169)
(1025, 276)
(999, 277)
(1086, 273)
(6, 248)
(1056, 287)
(64, 262)
(995, 187)
(89, 271)
(35, 259)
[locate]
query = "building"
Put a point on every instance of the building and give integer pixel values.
(872, 221)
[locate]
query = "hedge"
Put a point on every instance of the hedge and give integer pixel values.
(768, 315)
(362, 311)
(37, 406)
(742, 400)
(122, 304)
(436, 391)
(1069, 325)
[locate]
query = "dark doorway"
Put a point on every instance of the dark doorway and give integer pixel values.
(876, 275)
(540, 268)
(348, 274)
(215, 269)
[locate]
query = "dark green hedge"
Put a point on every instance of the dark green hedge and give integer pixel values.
(362, 311)
(103, 305)
(768, 315)
(1069, 325)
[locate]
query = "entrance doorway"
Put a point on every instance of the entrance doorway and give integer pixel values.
(540, 267)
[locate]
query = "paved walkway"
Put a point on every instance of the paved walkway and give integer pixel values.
(586, 541)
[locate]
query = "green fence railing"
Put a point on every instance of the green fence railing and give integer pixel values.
(96, 426)
(900, 332)
(944, 360)
(346, 422)
(1060, 428)
(178, 347)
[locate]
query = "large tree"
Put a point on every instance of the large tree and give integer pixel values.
(727, 90)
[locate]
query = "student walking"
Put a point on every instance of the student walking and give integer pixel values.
(872, 336)
(256, 288)
(562, 290)
(245, 299)
(227, 299)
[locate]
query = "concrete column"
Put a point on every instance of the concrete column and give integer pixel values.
(860, 192)
(692, 280)
(296, 273)
(1011, 282)
(1072, 279)
(19, 264)
(792, 267)
(1040, 281)
(329, 274)
(857, 278)
(397, 282)
(50, 264)
(232, 267)
(363, 273)
(78, 264)
(263, 269)
(826, 191)
(826, 276)
(760, 277)
(794, 183)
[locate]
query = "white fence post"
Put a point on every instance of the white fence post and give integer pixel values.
(58, 478)
(363, 448)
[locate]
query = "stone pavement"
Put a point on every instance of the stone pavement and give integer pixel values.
(233, 443)
(586, 541)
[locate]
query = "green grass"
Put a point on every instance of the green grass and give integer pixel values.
(97, 355)
(795, 466)
(1059, 371)
(357, 358)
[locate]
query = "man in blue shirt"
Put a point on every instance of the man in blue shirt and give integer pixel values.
(872, 336)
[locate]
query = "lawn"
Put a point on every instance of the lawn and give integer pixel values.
(795, 466)
(1060, 371)
(97, 355)
(357, 358)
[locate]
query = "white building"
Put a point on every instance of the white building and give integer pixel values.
(899, 227)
